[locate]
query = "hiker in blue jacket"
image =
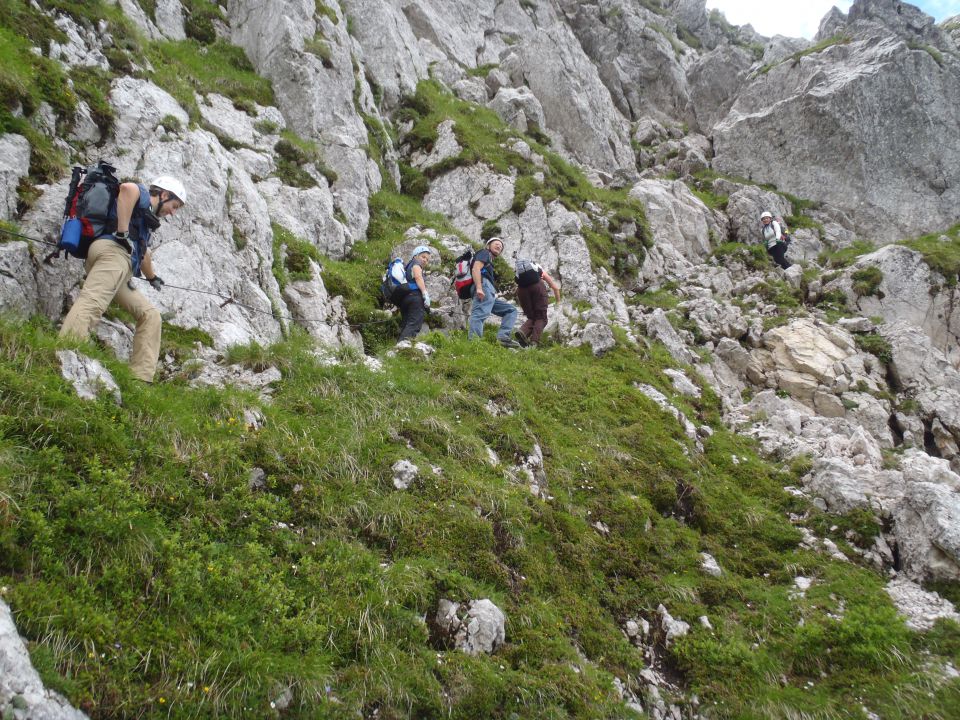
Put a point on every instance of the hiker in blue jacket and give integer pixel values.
(416, 302)
(485, 300)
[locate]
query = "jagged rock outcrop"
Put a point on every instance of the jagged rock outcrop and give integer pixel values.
(891, 163)
(22, 694)
(908, 292)
(315, 93)
(638, 56)
(14, 161)
(677, 217)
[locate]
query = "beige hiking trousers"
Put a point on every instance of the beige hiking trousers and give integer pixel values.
(108, 270)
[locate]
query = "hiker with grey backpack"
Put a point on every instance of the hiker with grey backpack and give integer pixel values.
(776, 238)
(532, 296)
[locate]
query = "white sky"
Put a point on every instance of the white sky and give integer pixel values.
(801, 19)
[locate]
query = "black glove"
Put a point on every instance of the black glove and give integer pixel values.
(156, 282)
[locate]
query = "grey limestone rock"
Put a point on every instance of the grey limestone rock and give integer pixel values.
(659, 328)
(316, 100)
(477, 627)
(88, 376)
(19, 293)
(576, 104)
(445, 147)
(14, 164)
(909, 293)
(709, 565)
(677, 217)
(927, 527)
(919, 607)
(519, 108)
(469, 196)
(169, 19)
(892, 165)
(20, 684)
(405, 473)
(323, 316)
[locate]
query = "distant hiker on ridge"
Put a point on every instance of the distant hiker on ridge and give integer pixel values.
(485, 300)
(415, 303)
(775, 238)
(532, 294)
(117, 253)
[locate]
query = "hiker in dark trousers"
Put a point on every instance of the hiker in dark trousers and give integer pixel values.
(485, 300)
(416, 302)
(532, 294)
(775, 238)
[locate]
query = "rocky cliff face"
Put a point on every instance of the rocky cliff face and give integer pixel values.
(676, 119)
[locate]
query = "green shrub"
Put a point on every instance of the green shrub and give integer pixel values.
(876, 345)
(866, 281)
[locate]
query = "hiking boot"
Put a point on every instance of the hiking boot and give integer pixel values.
(521, 338)
(510, 343)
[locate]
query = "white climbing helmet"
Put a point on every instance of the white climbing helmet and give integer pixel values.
(171, 185)
(766, 215)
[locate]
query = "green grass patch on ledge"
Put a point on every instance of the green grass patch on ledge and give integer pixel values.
(941, 251)
(152, 580)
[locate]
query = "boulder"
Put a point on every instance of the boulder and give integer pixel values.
(20, 684)
(519, 108)
(744, 206)
(405, 473)
(909, 292)
(920, 608)
(88, 376)
(677, 217)
(659, 328)
(715, 320)
(19, 292)
(477, 627)
(323, 316)
(168, 15)
(444, 148)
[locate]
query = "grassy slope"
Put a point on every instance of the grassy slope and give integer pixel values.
(154, 581)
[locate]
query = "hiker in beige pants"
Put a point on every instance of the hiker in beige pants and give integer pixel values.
(115, 258)
(108, 271)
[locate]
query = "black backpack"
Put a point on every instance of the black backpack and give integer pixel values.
(90, 210)
(393, 285)
(528, 273)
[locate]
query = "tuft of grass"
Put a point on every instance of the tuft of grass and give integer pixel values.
(866, 281)
(876, 345)
(846, 256)
(752, 256)
(292, 256)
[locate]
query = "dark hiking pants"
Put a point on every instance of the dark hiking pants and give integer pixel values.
(534, 302)
(779, 254)
(411, 314)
